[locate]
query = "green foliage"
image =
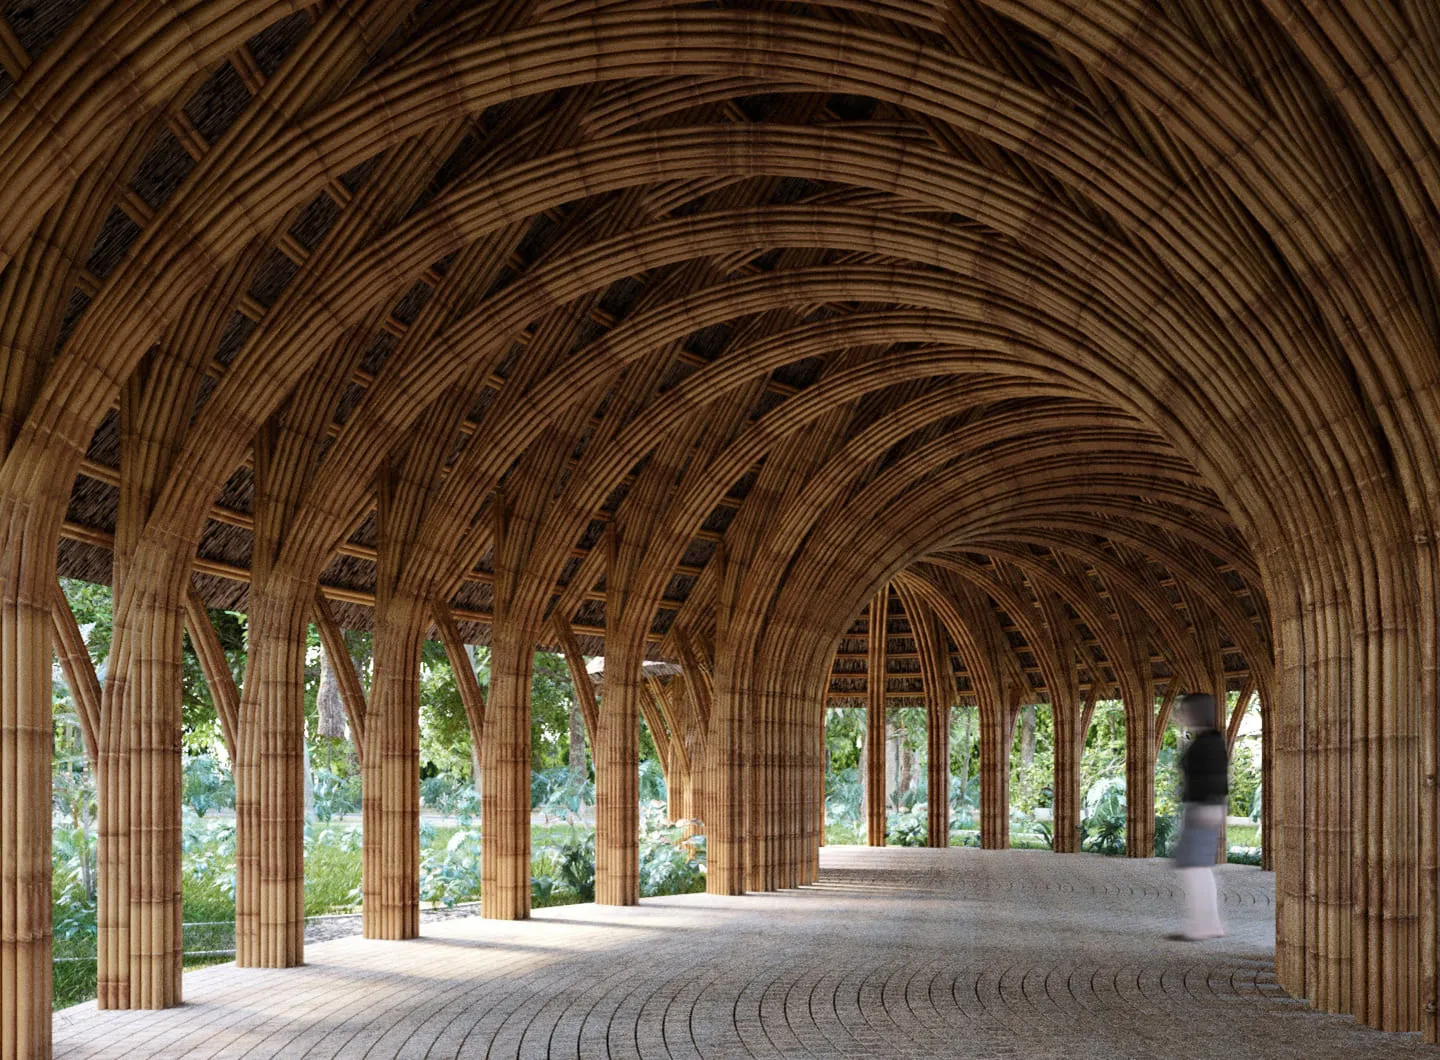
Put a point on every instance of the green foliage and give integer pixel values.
(559, 793)
(1244, 780)
(844, 737)
(908, 828)
(842, 805)
(670, 863)
(337, 792)
(652, 780)
(575, 865)
(451, 873)
(450, 795)
(333, 855)
(1032, 784)
(445, 740)
(1103, 817)
(552, 697)
(207, 784)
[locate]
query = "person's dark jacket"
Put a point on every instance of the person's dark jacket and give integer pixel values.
(1205, 769)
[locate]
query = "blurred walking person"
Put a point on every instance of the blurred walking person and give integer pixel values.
(1205, 787)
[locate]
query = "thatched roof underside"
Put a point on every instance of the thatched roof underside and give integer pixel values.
(860, 285)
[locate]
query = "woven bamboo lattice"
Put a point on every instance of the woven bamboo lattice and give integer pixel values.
(871, 353)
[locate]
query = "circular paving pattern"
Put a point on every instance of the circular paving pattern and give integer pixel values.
(904, 953)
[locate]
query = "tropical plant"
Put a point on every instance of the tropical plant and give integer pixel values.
(908, 828)
(451, 795)
(336, 793)
(575, 865)
(206, 784)
(670, 861)
(1103, 817)
(452, 874)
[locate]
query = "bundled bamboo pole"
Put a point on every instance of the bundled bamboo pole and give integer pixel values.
(875, 719)
(938, 683)
(25, 736)
(505, 776)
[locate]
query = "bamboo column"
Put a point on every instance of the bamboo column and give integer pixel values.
(270, 778)
(724, 761)
(391, 774)
(1071, 722)
(139, 907)
(996, 730)
(26, 727)
(1137, 690)
(938, 681)
(875, 721)
(1140, 777)
(617, 779)
(814, 781)
(505, 775)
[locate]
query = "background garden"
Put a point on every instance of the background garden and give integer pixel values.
(562, 797)
(1102, 780)
(562, 794)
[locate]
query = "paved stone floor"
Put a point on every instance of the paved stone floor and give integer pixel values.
(912, 953)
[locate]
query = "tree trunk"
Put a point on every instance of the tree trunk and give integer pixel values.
(579, 774)
(329, 707)
(309, 782)
(1027, 736)
(966, 743)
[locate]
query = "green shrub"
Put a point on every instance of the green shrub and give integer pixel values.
(451, 874)
(908, 828)
(333, 857)
(207, 785)
(335, 793)
(451, 795)
(670, 862)
(575, 866)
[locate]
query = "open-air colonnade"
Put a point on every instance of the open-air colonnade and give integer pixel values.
(1105, 327)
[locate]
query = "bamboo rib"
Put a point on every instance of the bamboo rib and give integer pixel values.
(218, 678)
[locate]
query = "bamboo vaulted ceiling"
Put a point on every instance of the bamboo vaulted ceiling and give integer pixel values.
(942, 271)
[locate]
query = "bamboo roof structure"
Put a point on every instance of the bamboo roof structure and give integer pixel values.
(1093, 342)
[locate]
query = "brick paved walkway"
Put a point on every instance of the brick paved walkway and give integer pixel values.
(912, 953)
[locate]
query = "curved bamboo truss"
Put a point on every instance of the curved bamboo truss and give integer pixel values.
(1088, 347)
